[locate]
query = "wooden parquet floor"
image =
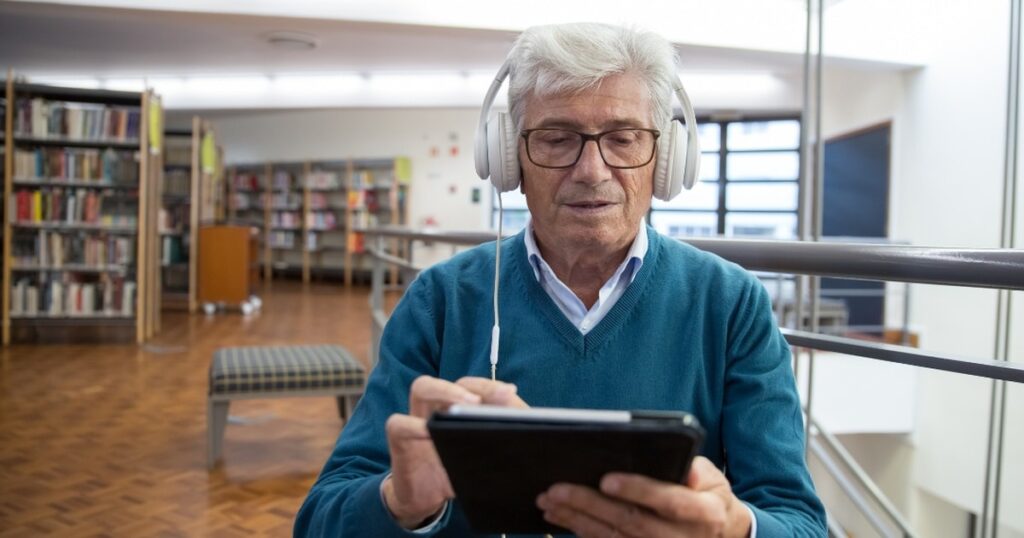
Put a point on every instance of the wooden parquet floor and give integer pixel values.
(110, 440)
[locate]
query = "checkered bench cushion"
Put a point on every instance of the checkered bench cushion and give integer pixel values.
(247, 370)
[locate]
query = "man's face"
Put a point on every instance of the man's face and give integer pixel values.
(589, 205)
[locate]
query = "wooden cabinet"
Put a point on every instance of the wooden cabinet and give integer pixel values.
(228, 264)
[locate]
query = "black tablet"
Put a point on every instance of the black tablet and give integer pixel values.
(500, 459)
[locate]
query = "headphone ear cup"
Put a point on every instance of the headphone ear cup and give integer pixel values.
(663, 165)
(503, 153)
(670, 171)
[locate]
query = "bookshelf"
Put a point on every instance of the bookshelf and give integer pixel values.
(286, 199)
(79, 178)
(179, 216)
(377, 195)
(326, 187)
(310, 208)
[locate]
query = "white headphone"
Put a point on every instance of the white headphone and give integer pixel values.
(496, 152)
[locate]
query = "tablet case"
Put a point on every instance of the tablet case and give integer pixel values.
(498, 467)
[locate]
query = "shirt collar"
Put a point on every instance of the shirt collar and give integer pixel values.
(636, 252)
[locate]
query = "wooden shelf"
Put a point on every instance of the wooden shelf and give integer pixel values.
(64, 226)
(76, 142)
(71, 268)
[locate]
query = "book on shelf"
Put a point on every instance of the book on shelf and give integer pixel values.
(68, 297)
(173, 250)
(355, 243)
(322, 180)
(72, 206)
(41, 118)
(283, 181)
(177, 183)
(247, 182)
(321, 220)
(177, 155)
(47, 249)
(109, 166)
(281, 239)
(285, 219)
(282, 200)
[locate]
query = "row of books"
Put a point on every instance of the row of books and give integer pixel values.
(73, 206)
(321, 221)
(102, 166)
(285, 219)
(173, 219)
(372, 179)
(48, 249)
(280, 239)
(173, 250)
(58, 297)
(243, 202)
(321, 180)
(367, 199)
(177, 183)
(283, 180)
(247, 182)
(363, 219)
(283, 200)
(42, 118)
(177, 155)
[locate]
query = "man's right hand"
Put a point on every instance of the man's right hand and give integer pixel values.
(418, 486)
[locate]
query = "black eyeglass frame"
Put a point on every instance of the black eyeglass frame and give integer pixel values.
(525, 133)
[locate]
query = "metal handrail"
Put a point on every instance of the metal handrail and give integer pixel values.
(978, 268)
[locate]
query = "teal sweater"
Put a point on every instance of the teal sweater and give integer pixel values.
(692, 332)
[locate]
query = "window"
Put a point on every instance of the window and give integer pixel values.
(748, 185)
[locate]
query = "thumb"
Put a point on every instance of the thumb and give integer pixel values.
(702, 474)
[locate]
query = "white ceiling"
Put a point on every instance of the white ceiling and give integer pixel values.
(73, 40)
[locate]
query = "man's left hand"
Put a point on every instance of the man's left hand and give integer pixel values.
(630, 505)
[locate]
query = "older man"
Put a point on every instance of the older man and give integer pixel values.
(599, 311)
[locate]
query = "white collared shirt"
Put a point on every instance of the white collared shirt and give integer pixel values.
(575, 311)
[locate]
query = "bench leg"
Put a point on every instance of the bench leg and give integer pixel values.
(216, 421)
(346, 404)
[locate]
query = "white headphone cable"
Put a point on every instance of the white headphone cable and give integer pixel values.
(496, 330)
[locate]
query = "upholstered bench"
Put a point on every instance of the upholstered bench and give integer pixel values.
(239, 373)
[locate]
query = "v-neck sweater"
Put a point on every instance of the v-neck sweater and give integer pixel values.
(692, 332)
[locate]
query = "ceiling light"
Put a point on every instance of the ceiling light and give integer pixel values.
(292, 40)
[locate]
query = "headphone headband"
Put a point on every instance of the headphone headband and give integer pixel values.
(495, 149)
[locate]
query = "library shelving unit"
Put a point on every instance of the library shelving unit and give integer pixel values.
(377, 194)
(285, 198)
(310, 208)
(248, 205)
(80, 184)
(190, 198)
(179, 217)
(325, 189)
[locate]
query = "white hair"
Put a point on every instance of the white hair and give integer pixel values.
(568, 58)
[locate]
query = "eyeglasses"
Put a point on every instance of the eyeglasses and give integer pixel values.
(621, 148)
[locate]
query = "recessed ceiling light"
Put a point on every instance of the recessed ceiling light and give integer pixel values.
(292, 40)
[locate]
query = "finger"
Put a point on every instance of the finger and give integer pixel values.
(404, 427)
(580, 523)
(704, 475)
(428, 394)
(492, 392)
(671, 501)
(627, 518)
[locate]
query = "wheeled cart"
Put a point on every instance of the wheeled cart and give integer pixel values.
(228, 268)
